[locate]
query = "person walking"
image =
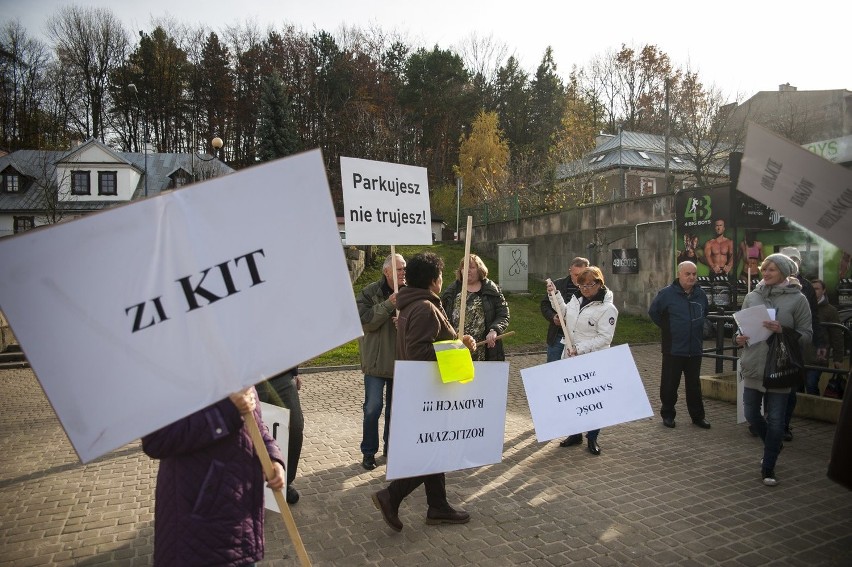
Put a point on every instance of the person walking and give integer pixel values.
(590, 320)
(421, 322)
(487, 312)
(679, 310)
(567, 287)
(781, 291)
(377, 308)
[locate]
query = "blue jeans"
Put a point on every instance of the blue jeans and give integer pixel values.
(554, 352)
(812, 381)
(771, 428)
(374, 391)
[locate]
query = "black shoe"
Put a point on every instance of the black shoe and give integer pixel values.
(292, 495)
(572, 440)
(594, 448)
(702, 423)
(382, 501)
(788, 434)
(669, 422)
(753, 430)
(369, 462)
(446, 516)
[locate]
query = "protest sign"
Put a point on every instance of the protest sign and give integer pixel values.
(799, 184)
(139, 315)
(437, 427)
(586, 392)
(385, 203)
(277, 420)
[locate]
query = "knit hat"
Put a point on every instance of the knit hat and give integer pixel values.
(784, 263)
(793, 253)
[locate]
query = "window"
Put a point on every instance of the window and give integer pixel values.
(80, 183)
(677, 159)
(11, 182)
(647, 186)
(23, 224)
(107, 183)
(644, 155)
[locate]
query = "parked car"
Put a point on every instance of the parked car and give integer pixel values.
(343, 237)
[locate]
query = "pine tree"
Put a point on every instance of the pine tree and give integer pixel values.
(276, 132)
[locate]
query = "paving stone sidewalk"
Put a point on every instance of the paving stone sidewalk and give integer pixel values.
(655, 496)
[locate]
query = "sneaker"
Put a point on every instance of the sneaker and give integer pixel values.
(292, 495)
(769, 478)
(788, 434)
(369, 462)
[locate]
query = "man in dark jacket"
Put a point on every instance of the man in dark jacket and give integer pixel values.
(421, 322)
(567, 286)
(377, 309)
(679, 310)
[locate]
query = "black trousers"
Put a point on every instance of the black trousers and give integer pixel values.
(435, 485)
(285, 388)
(690, 368)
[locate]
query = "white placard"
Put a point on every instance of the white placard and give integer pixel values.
(437, 427)
(137, 316)
(277, 420)
(385, 203)
(750, 322)
(798, 184)
(586, 392)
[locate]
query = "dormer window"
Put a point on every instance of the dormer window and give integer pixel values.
(107, 183)
(80, 183)
(11, 182)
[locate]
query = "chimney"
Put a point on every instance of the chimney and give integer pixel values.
(602, 138)
(786, 88)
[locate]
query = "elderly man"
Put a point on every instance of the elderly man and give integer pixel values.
(679, 310)
(377, 308)
(567, 286)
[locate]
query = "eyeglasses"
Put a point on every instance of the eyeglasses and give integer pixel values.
(589, 286)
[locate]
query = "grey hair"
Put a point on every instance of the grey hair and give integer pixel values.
(389, 261)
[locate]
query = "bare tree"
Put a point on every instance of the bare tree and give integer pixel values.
(90, 42)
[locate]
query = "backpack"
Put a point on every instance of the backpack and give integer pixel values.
(836, 387)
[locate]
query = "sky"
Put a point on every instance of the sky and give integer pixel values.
(741, 47)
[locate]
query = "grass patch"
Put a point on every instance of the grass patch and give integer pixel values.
(524, 308)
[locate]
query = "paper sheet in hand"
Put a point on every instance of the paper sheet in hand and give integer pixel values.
(750, 321)
(139, 315)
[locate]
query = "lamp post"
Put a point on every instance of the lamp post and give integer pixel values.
(132, 88)
(217, 144)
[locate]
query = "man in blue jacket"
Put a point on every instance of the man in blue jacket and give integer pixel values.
(679, 310)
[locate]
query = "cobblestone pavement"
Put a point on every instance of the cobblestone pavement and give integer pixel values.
(655, 496)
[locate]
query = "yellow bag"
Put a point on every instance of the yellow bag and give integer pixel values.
(454, 361)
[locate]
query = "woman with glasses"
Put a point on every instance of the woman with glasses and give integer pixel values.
(487, 314)
(590, 320)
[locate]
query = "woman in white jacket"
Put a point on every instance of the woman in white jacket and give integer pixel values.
(590, 320)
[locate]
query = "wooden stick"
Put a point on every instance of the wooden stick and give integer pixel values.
(463, 300)
(266, 462)
(393, 271)
(555, 304)
(497, 338)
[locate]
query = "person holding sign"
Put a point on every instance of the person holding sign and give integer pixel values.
(679, 310)
(590, 321)
(377, 309)
(781, 291)
(567, 286)
(487, 314)
(209, 495)
(421, 322)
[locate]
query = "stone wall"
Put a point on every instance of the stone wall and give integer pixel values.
(593, 232)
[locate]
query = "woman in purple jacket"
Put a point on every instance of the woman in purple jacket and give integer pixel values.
(209, 497)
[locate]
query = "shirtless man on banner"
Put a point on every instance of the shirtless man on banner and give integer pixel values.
(719, 251)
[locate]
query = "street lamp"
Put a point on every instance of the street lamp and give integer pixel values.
(217, 144)
(132, 88)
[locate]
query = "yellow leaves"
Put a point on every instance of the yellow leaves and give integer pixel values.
(483, 160)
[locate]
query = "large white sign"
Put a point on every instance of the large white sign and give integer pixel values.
(437, 427)
(798, 184)
(587, 392)
(277, 420)
(385, 203)
(137, 316)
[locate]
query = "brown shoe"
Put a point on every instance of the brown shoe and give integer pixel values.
(446, 516)
(382, 501)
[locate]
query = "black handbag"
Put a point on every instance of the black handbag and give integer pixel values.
(784, 364)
